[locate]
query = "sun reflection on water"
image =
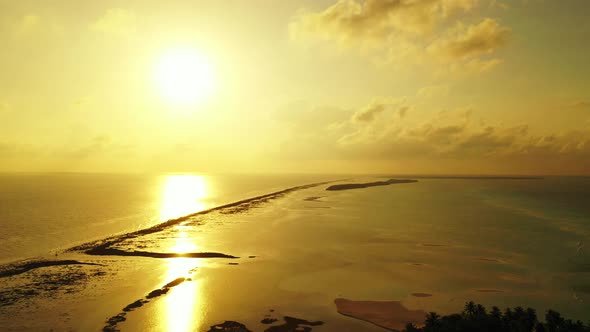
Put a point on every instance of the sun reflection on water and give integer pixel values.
(184, 244)
(182, 195)
(183, 307)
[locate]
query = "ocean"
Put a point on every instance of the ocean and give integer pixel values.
(432, 245)
(41, 213)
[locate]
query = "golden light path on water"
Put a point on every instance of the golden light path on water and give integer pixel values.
(184, 305)
(183, 194)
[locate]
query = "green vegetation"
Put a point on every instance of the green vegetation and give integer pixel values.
(475, 317)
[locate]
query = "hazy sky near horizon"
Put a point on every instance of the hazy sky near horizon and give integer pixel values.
(368, 86)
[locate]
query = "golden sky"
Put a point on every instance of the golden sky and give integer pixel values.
(323, 86)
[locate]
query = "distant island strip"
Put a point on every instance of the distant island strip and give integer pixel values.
(475, 177)
(348, 186)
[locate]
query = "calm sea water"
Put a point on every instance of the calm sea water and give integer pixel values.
(44, 212)
(497, 242)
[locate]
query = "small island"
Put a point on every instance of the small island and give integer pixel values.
(347, 186)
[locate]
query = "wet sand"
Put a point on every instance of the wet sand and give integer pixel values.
(22, 267)
(102, 251)
(391, 315)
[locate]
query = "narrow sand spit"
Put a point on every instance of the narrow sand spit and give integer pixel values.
(348, 186)
(22, 267)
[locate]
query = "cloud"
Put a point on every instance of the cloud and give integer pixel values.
(8, 150)
(95, 153)
(482, 66)
(470, 67)
(463, 42)
(28, 22)
(377, 132)
(433, 91)
(403, 111)
(304, 118)
(371, 111)
(11, 152)
(376, 19)
(116, 21)
(378, 114)
(32, 24)
(96, 145)
(451, 7)
(3, 107)
(499, 5)
(579, 104)
(397, 32)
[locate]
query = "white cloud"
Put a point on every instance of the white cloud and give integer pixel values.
(397, 32)
(377, 131)
(462, 42)
(433, 91)
(116, 21)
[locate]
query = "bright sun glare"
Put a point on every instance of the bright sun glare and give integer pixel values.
(182, 195)
(184, 76)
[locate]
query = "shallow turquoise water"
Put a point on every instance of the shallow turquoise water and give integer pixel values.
(500, 242)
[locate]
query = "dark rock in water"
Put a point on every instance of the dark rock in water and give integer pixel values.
(157, 292)
(347, 186)
(268, 320)
(113, 321)
(293, 324)
(229, 326)
(134, 305)
(166, 288)
(175, 282)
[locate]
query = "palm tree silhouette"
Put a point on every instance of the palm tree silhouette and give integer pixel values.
(432, 323)
(475, 318)
(470, 309)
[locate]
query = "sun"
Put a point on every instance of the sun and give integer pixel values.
(184, 76)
